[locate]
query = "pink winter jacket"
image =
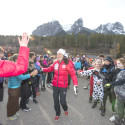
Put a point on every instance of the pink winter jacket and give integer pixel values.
(61, 72)
(8, 68)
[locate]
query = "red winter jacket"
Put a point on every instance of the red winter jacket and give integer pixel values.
(8, 68)
(61, 72)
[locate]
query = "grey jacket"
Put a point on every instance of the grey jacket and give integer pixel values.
(120, 89)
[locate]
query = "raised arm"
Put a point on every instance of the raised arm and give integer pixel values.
(8, 68)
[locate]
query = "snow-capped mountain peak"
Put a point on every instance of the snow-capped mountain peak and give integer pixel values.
(111, 28)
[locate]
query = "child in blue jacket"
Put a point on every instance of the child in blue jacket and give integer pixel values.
(14, 84)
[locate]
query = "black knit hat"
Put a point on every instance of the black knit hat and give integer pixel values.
(109, 58)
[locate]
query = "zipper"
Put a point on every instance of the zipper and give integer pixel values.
(58, 74)
(64, 81)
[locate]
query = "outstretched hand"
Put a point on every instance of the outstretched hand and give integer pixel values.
(78, 72)
(76, 90)
(34, 73)
(24, 41)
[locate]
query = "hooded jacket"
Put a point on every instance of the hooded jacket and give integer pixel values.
(61, 71)
(120, 90)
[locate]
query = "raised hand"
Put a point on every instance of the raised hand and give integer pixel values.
(35, 72)
(24, 41)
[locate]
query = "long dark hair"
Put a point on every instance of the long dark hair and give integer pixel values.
(66, 60)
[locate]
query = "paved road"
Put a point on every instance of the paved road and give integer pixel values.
(80, 111)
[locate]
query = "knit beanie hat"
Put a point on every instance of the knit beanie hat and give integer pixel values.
(45, 56)
(62, 51)
(109, 58)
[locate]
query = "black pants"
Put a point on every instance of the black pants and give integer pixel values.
(37, 81)
(57, 91)
(25, 94)
(112, 97)
(1, 92)
(33, 90)
(49, 78)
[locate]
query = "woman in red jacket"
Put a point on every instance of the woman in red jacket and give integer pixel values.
(62, 67)
(8, 68)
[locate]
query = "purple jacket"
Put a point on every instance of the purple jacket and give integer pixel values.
(45, 63)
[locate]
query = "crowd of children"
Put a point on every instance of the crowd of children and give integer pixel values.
(107, 78)
(105, 74)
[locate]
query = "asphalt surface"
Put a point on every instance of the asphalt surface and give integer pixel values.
(43, 113)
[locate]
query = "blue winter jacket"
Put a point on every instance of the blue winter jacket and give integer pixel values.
(77, 65)
(15, 82)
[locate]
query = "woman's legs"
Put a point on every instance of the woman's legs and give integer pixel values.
(1, 92)
(63, 102)
(56, 91)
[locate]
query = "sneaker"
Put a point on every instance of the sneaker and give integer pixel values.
(51, 84)
(12, 117)
(48, 86)
(37, 93)
(112, 118)
(35, 101)
(26, 109)
(66, 113)
(103, 111)
(57, 118)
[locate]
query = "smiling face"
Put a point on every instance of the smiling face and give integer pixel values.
(106, 62)
(59, 56)
(120, 65)
(98, 64)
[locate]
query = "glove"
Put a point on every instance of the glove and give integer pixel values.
(76, 90)
(107, 85)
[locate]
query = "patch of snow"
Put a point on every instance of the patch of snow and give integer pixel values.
(67, 27)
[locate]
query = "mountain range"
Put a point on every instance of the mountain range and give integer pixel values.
(55, 28)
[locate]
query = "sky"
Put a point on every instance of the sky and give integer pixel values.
(18, 16)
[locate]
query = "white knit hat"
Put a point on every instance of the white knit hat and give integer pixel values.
(62, 51)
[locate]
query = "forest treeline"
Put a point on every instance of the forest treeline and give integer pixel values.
(94, 43)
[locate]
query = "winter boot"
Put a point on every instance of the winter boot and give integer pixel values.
(102, 111)
(94, 104)
(90, 99)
